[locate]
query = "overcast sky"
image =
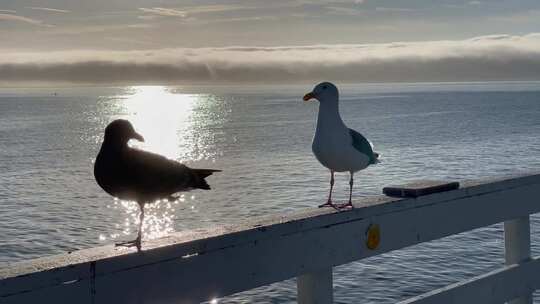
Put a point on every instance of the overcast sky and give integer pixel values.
(190, 41)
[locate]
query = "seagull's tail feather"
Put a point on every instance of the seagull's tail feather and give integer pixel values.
(200, 175)
(203, 173)
(376, 160)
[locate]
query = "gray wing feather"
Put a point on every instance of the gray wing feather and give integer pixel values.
(361, 144)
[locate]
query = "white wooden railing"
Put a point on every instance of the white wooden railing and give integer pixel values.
(196, 266)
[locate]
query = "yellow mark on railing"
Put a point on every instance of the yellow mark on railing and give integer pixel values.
(373, 236)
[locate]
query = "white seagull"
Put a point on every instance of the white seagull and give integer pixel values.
(335, 146)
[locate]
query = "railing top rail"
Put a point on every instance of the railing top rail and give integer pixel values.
(201, 240)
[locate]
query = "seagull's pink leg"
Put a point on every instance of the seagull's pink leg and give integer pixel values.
(349, 204)
(137, 241)
(329, 201)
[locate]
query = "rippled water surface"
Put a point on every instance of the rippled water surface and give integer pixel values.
(261, 137)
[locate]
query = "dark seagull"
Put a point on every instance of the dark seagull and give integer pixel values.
(135, 175)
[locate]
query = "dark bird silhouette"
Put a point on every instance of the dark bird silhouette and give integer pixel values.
(141, 176)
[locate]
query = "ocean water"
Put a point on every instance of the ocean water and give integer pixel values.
(261, 138)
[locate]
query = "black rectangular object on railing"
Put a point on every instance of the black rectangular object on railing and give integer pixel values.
(420, 188)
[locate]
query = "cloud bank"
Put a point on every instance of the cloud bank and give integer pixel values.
(12, 17)
(496, 57)
(167, 12)
(48, 9)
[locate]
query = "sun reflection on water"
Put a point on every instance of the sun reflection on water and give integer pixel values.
(158, 217)
(163, 118)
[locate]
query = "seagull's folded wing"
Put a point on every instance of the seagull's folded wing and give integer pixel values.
(361, 144)
(158, 176)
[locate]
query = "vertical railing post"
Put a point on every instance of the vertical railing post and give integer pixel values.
(315, 287)
(517, 245)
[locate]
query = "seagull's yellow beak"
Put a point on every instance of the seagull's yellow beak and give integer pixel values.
(137, 136)
(309, 96)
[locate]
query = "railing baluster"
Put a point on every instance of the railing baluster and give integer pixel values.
(315, 287)
(517, 244)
